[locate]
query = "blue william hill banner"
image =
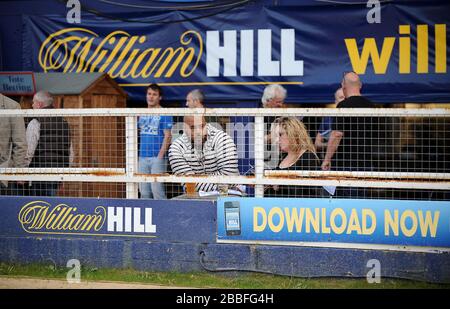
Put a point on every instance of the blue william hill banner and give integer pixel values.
(191, 221)
(374, 222)
(402, 57)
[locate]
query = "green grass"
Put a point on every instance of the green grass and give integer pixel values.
(206, 280)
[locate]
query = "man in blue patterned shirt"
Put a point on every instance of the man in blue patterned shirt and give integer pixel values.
(156, 136)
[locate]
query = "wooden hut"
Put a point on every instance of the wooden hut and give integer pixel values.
(97, 142)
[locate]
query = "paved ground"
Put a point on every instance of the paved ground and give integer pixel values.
(29, 283)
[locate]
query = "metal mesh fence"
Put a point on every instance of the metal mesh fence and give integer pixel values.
(198, 153)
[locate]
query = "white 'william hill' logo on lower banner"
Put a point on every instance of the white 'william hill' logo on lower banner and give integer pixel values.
(130, 220)
(40, 217)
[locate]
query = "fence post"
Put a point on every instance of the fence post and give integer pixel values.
(259, 154)
(131, 154)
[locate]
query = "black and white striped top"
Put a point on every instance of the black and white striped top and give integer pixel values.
(218, 157)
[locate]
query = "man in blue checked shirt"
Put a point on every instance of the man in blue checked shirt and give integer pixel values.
(324, 131)
(156, 136)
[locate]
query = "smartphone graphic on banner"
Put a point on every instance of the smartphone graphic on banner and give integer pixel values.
(232, 218)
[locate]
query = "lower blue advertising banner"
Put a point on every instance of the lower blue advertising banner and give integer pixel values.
(373, 222)
(152, 220)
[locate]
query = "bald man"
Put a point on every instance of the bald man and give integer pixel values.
(352, 138)
(203, 150)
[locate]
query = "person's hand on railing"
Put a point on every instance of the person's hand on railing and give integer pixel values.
(326, 165)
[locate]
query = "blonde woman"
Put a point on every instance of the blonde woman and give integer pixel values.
(298, 154)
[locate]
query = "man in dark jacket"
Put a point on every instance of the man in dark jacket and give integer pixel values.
(48, 141)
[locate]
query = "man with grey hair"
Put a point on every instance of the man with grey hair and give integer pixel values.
(48, 141)
(195, 99)
(274, 96)
(13, 146)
